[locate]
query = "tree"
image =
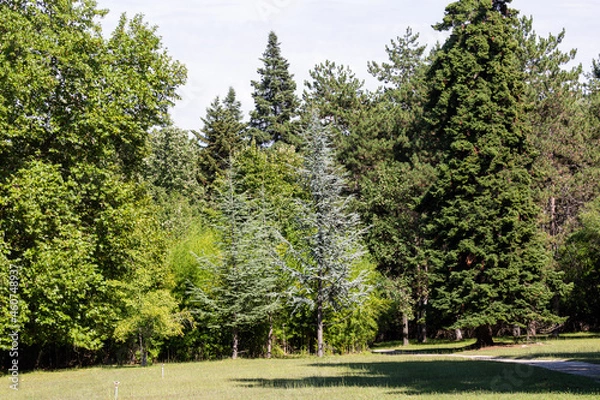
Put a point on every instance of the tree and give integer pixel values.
(560, 131)
(579, 259)
(243, 292)
(222, 135)
(489, 257)
(172, 162)
(274, 99)
(75, 111)
(149, 313)
(337, 95)
(330, 244)
(391, 188)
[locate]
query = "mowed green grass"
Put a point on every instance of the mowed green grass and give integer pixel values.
(365, 376)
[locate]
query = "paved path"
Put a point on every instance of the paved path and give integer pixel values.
(565, 366)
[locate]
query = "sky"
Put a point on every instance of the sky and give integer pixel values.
(221, 41)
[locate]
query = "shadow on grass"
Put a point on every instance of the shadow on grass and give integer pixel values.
(437, 376)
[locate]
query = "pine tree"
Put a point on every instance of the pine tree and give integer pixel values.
(221, 136)
(330, 237)
(491, 264)
(560, 131)
(274, 99)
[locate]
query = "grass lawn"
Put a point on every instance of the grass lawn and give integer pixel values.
(366, 376)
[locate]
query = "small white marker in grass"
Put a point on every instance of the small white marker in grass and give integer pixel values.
(116, 389)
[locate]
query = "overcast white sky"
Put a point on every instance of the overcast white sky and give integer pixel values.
(221, 41)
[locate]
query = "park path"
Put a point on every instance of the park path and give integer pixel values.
(565, 366)
(568, 367)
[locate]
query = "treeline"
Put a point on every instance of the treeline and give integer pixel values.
(460, 198)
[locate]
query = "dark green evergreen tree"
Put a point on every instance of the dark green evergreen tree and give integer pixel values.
(222, 135)
(490, 262)
(275, 103)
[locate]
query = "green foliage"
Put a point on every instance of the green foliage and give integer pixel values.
(337, 95)
(579, 259)
(70, 96)
(354, 328)
(75, 109)
(149, 312)
(222, 136)
(272, 176)
(490, 262)
(244, 291)
(55, 257)
(360, 128)
(275, 103)
(329, 242)
(172, 162)
(560, 131)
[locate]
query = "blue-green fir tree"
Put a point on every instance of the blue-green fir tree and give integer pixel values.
(323, 258)
(243, 292)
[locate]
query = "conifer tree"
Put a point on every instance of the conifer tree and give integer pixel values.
(491, 264)
(221, 136)
(171, 164)
(274, 98)
(330, 237)
(243, 292)
(561, 131)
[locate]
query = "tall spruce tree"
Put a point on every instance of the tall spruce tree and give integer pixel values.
(329, 244)
(274, 98)
(491, 264)
(221, 136)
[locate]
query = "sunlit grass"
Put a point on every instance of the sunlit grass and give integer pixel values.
(363, 376)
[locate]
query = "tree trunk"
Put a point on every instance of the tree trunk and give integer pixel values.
(405, 329)
(144, 360)
(553, 225)
(285, 347)
(320, 328)
(531, 331)
(270, 337)
(423, 320)
(484, 336)
(236, 342)
(458, 334)
(516, 331)
(423, 301)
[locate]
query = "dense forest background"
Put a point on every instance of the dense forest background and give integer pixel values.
(459, 199)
